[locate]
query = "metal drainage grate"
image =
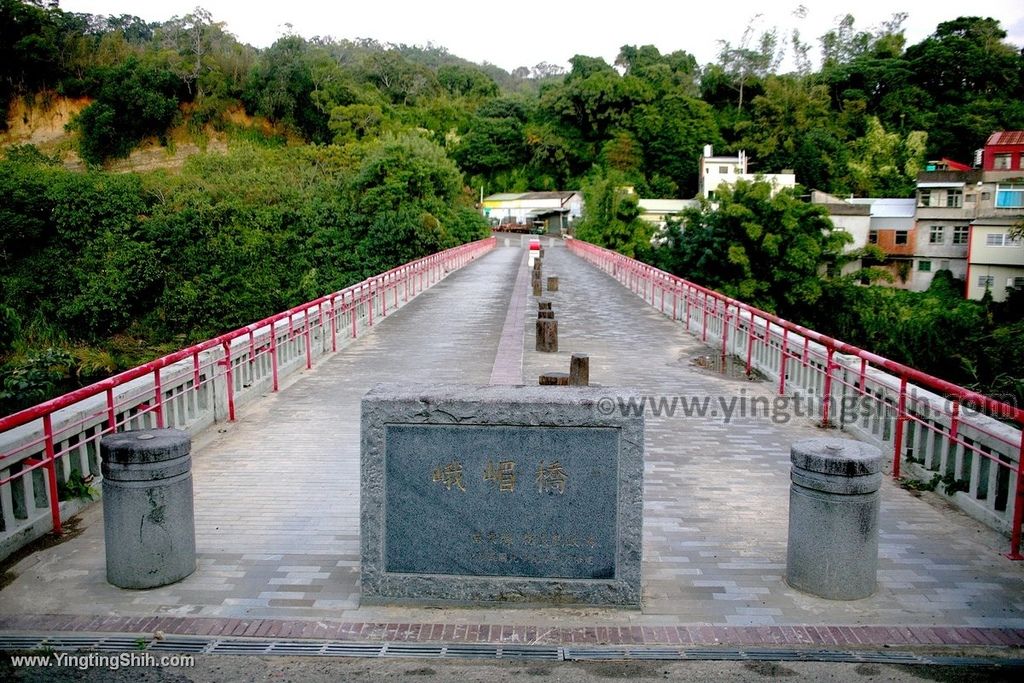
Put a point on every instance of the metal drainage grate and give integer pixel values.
(328, 648)
(183, 645)
(409, 650)
(19, 642)
(342, 649)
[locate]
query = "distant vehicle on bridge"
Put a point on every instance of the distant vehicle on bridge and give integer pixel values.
(508, 224)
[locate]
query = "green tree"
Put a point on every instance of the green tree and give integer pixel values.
(134, 101)
(764, 250)
(593, 98)
(781, 118)
(465, 81)
(886, 164)
(280, 87)
(753, 59)
(674, 73)
(672, 132)
(611, 216)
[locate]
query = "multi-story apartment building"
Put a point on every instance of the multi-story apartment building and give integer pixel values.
(964, 216)
(947, 202)
(995, 258)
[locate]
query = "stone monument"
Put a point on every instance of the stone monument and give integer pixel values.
(500, 494)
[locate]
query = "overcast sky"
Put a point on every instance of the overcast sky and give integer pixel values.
(527, 32)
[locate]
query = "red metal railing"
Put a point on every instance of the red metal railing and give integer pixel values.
(196, 385)
(934, 427)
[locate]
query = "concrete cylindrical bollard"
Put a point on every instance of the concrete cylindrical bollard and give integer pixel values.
(833, 518)
(536, 288)
(544, 305)
(148, 517)
(547, 314)
(547, 335)
(579, 370)
(553, 284)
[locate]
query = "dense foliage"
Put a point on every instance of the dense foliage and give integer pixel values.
(763, 250)
(100, 270)
(862, 123)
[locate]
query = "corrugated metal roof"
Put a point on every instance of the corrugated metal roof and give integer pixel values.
(547, 195)
(893, 208)
(1006, 137)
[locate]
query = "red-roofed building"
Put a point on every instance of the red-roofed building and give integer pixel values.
(945, 164)
(1004, 151)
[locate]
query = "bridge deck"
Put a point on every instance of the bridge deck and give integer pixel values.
(277, 492)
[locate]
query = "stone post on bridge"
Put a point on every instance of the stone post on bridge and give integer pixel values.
(833, 518)
(547, 328)
(579, 370)
(148, 516)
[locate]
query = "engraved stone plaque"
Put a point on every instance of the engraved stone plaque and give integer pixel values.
(477, 494)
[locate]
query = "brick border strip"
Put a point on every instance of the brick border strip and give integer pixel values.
(508, 360)
(747, 636)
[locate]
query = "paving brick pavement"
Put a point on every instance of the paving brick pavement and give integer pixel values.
(277, 504)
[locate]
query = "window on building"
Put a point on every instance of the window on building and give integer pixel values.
(1002, 162)
(723, 169)
(986, 196)
(954, 199)
(924, 266)
(872, 237)
(1010, 196)
(901, 237)
(995, 239)
(986, 281)
(969, 199)
(936, 236)
(1018, 282)
(924, 197)
(960, 234)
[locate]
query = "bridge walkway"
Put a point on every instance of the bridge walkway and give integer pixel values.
(277, 493)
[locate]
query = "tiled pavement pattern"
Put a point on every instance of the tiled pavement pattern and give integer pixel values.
(277, 506)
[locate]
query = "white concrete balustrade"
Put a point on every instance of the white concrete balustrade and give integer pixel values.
(974, 452)
(195, 392)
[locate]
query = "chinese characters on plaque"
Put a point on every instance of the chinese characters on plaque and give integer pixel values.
(550, 478)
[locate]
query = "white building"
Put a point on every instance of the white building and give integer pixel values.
(658, 211)
(557, 210)
(715, 171)
(854, 219)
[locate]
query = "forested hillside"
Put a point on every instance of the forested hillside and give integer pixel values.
(346, 158)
